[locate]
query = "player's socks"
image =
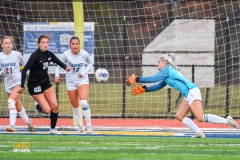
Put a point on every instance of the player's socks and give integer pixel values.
(191, 125)
(23, 115)
(53, 117)
(214, 119)
(77, 116)
(86, 111)
(87, 115)
(13, 116)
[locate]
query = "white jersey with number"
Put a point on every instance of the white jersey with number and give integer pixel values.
(79, 63)
(12, 63)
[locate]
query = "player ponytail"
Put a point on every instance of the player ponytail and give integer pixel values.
(169, 59)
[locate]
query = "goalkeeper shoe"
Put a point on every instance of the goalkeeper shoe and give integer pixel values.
(54, 131)
(10, 128)
(232, 123)
(89, 129)
(199, 135)
(79, 130)
(30, 126)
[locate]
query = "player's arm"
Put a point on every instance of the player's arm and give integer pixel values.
(24, 71)
(58, 62)
(22, 62)
(89, 65)
(30, 63)
(138, 89)
(156, 87)
(63, 59)
(3, 71)
(160, 76)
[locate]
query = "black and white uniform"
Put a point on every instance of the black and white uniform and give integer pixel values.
(79, 63)
(38, 62)
(12, 63)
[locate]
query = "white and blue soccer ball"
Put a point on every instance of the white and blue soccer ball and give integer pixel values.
(101, 75)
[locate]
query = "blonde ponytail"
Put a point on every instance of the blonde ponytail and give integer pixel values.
(169, 59)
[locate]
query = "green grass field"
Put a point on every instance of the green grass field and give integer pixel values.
(44, 147)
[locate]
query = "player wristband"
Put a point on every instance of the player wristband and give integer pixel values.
(137, 79)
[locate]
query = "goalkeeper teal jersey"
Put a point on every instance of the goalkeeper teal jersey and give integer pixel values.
(168, 75)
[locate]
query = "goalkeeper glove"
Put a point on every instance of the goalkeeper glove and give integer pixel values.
(138, 90)
(131, 80)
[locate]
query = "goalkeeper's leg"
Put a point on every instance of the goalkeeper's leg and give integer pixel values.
(184, 108)
(196, 107)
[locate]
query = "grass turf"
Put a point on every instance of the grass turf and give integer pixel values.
(119, 147)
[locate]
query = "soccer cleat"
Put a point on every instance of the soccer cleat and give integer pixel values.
(30, 126)
(38, 109)
(89, 129)
(54, 131)
(199, 135)
(79, 130)
(232, 123)
(10, 128)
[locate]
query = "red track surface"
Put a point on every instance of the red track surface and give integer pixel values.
(117, 122)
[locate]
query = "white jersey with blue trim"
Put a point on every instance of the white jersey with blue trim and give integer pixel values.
(12, 63)
(79, 63)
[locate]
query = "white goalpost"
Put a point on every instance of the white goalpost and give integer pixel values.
(127, 37)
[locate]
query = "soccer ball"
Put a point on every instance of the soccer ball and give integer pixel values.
(101, 75)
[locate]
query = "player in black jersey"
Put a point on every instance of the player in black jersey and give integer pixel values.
(39, 85)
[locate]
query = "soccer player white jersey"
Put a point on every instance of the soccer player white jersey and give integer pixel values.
(77, 64)
(11, 63)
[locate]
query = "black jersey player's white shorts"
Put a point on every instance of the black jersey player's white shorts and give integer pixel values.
(38, 88)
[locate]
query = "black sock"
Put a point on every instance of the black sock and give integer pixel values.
(39, 108)
(53, 117)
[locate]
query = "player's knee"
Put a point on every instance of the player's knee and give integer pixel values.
(11, 104)
(179, 117)
(54, 107)
(199, 118)
(19, 108)
(46, 110)
(84, 105)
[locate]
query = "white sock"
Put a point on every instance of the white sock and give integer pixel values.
(86, 112)
(13, 116)
(23, 115)
(77, 116)
(214, 119)
(191, 125)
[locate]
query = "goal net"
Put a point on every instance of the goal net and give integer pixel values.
(127, 37)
